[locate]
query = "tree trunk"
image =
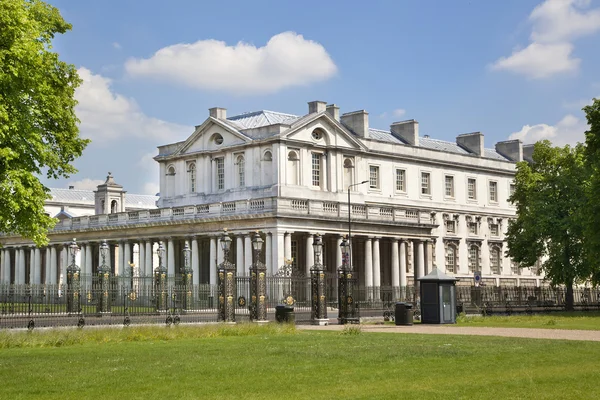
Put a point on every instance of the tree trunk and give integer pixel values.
(569, 297)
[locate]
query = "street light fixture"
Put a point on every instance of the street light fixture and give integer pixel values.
(350, 223)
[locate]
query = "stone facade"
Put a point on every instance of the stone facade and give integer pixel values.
(414, 203)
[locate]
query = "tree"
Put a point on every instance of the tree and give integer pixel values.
(550, 199)
(38, 126)
(592, 162)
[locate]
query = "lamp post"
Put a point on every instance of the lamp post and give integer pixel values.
(350, 222)
(160, 280)
(226, 282)
(73, 280)
(186, 277)
(258, 283)
(317, 280)
(103, 305)
(346, 282)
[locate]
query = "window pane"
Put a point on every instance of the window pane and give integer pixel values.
(316, 169)
(220, 173)
(373, 177)
(241, 164)
(493, 191)
(449, 186)
(472, 189)
(425, 188)
(400, 180)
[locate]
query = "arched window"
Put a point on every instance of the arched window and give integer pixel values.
(267, 156)
(292, 170)
(267, 168)
(192, 177)
(241, 171)
(114, 207)
(170, 181)
(495, 260)
(473, 258)
(451, 258)
(348, 172)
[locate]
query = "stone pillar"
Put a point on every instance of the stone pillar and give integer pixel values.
(310, 254)
(31, 265)
(64, 262)
(395, 264)
(403, 280)
(170, 258)
(220, 257)
(53, 266)
(325, 171)
(7, 266)
(47, 267)
(213, 261)
(278, 251)
(269, 253)
(195, 261)
(240, 256)
(141, 258)
(369, 268)
(429, 257)
(338, 253)
(37, 275)
(127, 259)
(2, 266)
(20, 271)
(149, 258)
(248, 253)
(81, 254)
(376, 268)
(287, 246)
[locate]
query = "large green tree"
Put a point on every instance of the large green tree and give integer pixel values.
(592, 161)
(38, 127)
(550, 200)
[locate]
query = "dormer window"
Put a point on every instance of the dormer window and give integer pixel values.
(218, 139)
(317, 134)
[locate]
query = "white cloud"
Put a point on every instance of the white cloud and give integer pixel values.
(151, 188)
(540, 60)
(560, 20)
(286, 60)
(86, 184)
(555, 24)
(117, 45)
(398, 112)
(568, 130)
(150, 166)
(106, 115)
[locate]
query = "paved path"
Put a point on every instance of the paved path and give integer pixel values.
(562, 334)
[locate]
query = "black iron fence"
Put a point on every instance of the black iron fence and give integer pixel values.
(140, 300)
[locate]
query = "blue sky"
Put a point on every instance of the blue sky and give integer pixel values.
(151, 69)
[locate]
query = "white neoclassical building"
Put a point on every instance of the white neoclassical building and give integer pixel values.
(414, 203)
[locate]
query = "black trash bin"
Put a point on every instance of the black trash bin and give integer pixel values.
(285, 313)
(404, 314)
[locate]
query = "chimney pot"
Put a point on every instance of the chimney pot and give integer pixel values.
(472, 142)
(218, 112)
(407, 131)
(357, 122)
(334, 111)
(316, 106)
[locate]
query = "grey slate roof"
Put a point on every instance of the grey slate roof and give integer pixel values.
(384, 136)
(86, 197)
(261, 118)
(441, 145)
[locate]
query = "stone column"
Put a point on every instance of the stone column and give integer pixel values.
(142, 258)
(53, 266)
(269, 253)
(64, 261)
(287, 246)
(7, 266)
(89, 255)
(429, 249)
(395, 264)
(170, 258)
(310, 254)
(220, 257)
(195, 261)
(420, 267)
(403, 280)
(369, 267)
(376, 268)
(47, 267)
(149, 258)
(2, 266)
(324, 173)
(37, 275)
(127, 259)
(338, 253)
(247, 253)
(277, 249)
(22, 266)
(213, 261)
(81, 254)
(31, 265)
(239, 256)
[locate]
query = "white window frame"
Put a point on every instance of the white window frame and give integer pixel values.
(454, 267)
(493, 194)
(374, 180)
(452, 186)
(240, 163)
(428, 186)
(192, 181)
(316, 173)
(474, 197)
(450, 222)
(403, 180)
(220, 173)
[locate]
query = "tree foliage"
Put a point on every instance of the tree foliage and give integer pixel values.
(550, 199)
(38, 126)
(592, 161)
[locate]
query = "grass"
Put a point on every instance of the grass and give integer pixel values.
(275, 362)
(589, 320)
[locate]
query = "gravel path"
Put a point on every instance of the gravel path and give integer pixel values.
(561, 334)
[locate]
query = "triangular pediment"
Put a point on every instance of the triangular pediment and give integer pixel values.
(334, 133)
(212, 135)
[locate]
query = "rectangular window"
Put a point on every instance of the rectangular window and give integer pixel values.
(450, 226)
(495, 261)
(451, 259)
(316, 169)
(472, 189)
(493, 191)
(473, 258)
(400, 180)
(425, 183)
(494, 230)
(449, 186)
(515, 268)
(220, 173)
(373, 177)
(511, 190)
(473, 228)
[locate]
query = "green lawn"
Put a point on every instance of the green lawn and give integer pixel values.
(269, 363)
(589, 320)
